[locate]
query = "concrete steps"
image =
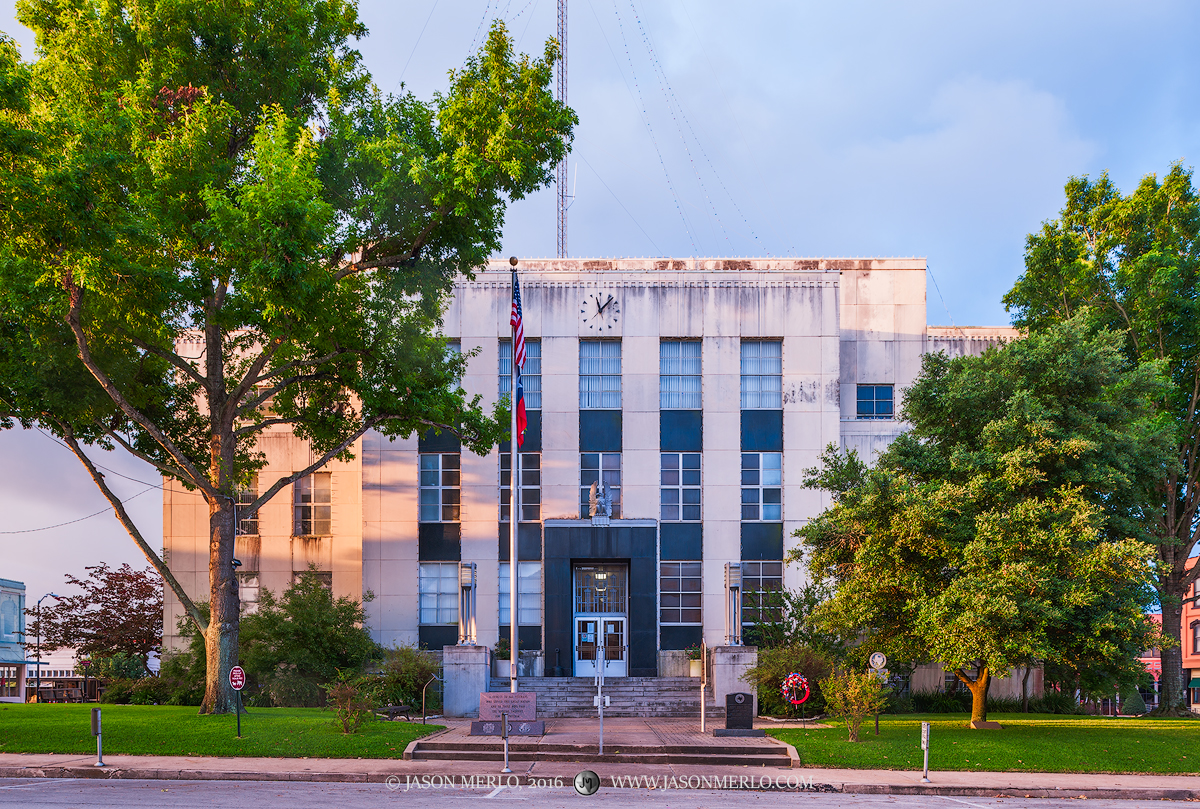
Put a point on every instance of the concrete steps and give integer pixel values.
(764, 754)
(564, 697)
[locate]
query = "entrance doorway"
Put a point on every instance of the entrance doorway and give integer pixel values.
(601, 624)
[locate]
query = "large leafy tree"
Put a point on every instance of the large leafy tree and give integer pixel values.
(213, 226)
(1132, 262)
(115, 612)
(996, 531)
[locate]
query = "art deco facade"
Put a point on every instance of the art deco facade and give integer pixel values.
(697, 390)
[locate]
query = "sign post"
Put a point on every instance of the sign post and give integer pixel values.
(237, 681)
(925, 747)
(878, 660)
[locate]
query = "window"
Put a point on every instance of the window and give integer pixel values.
(762, 375)
(761, 585)
(247, 526)
(1196, 637)
(248, 591)
(321, 577)
(679, 593)
(531, 486)
(595, 467)
(313, 498)
(439, 487)
(437, 588)
(680, 492)
(679, 375)
(762, 481)
(875, 402)
(529, 594)
(599, 374)
(531, 374)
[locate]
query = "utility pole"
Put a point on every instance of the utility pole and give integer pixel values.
(561, 170)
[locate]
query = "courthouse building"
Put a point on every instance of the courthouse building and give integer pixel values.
(696, 390)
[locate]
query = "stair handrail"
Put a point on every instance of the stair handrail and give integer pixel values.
(430, 680)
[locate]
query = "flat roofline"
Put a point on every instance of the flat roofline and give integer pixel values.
(12, 585)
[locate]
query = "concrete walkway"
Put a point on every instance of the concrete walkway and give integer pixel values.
(616, 773)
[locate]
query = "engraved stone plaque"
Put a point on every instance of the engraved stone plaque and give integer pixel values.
(521, 706)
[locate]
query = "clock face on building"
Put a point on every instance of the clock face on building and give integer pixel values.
(600, 311)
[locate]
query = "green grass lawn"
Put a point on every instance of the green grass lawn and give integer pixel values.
(1028, 742)
(178, 731)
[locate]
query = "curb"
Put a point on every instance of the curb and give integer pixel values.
(519, 779)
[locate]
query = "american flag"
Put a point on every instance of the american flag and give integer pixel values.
(518, 329)
(518, 362)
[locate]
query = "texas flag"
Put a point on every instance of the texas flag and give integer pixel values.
(518, 357)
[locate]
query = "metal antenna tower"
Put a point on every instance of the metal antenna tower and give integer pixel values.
(561, 171)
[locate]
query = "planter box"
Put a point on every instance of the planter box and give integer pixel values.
(695, 668)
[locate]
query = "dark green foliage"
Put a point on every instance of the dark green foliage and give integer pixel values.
(120, 666)
(794, 627)
(998, 529)
(774, 665)
(400, 678)
(352, 703)
(289, 647)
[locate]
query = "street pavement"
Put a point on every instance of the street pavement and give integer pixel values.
(118, 794)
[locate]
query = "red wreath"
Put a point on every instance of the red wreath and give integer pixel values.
(792, 684)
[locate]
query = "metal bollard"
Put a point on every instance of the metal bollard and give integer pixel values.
(96, 731)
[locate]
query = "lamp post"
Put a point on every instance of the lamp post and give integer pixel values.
(37, 689)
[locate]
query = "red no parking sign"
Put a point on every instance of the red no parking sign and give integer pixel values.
(237, 678)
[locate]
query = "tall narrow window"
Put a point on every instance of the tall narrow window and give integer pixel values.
(248, 588)
(761, 586)
(245, 497)
(439, 490)
(437, 592)
(762, 374)
(600, 374)
(531, 486)
(597, 467)
(875, 402)
(679, 375)
(679, 593)
(531, 374)
(679, 479)
(529, 594)
(762, 486)
(313, 504)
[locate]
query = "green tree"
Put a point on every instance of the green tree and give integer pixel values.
(991, 533)
(1131, 262)
(213, 225)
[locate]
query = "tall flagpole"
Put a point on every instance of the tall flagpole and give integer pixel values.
(514, 487)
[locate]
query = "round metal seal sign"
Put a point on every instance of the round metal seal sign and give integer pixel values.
(878, 660)
(237, 678)
(587, 783)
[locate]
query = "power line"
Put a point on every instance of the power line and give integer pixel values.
(623, 208)
(81, 519)
(418, 42)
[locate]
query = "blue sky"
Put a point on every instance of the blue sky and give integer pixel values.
(936, 129)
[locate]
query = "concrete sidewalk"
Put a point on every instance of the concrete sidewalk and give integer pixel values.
(617, 771)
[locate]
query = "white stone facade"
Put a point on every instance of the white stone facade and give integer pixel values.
(841, 323)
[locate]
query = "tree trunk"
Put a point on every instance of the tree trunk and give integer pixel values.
(221, 640)
(978, 688)
(1025, 689)
(1171, 696)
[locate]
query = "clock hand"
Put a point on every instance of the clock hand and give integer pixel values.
(606, 303)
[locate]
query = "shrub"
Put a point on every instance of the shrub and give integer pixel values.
(501, 650)
(1004, 705)
(1058, 702)
(287, 687)
(853, 696)
(117, 691)
(957, 701)
(1131, 701)
(120, 666)
(184, 677)
(693, 651)
(352, 704)
(404, 672)
(777, 663)
(150, 691)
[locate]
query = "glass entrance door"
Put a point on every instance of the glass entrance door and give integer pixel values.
(601, 624)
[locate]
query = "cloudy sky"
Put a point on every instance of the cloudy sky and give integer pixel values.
(936, 129)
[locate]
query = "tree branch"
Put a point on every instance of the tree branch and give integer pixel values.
(122, 515)
(263, 395)
(85, 356)
(252, 374)
(166, 469)
(261, 425)
(172, 358)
